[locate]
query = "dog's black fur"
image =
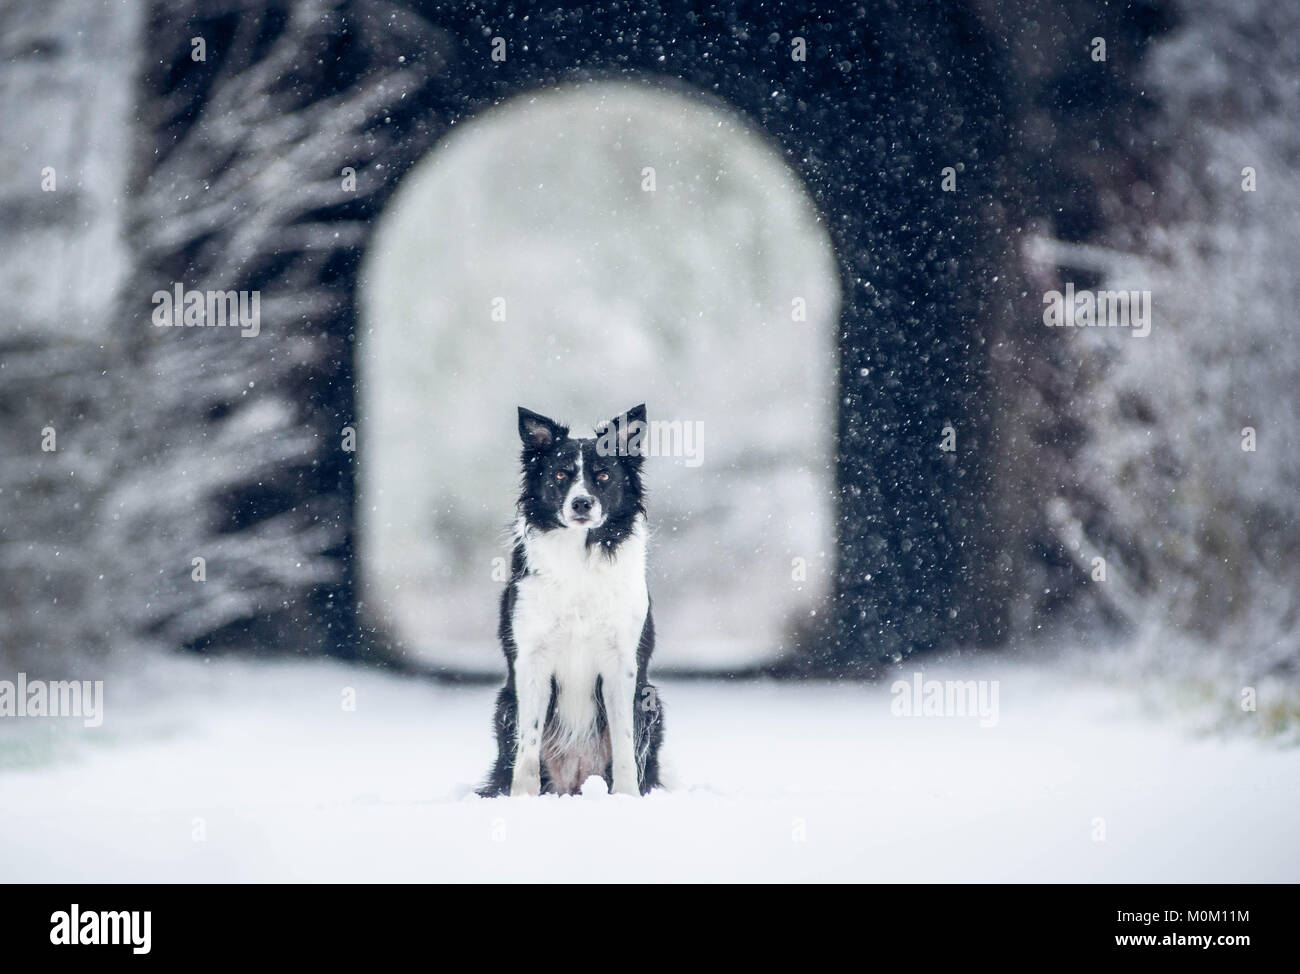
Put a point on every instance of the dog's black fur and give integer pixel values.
(547, 447)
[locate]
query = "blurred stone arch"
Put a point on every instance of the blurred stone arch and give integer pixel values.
(865, 121)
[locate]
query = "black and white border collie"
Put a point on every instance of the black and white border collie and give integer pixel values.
(575, 626)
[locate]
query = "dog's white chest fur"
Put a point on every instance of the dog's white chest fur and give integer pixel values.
(581, 612)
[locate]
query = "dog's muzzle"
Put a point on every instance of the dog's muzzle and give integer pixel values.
(582, 511)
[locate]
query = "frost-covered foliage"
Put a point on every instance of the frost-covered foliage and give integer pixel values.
(177, 444)
(243, 186)
(66, 71)
(1202, 535)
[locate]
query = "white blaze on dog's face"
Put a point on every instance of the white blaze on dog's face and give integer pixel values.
(581, 509)
(572, 483)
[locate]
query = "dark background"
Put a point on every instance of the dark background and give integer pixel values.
(232, 181)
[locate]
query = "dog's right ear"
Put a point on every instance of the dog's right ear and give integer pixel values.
(537, 432)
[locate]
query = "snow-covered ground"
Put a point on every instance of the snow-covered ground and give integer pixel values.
(246, 771)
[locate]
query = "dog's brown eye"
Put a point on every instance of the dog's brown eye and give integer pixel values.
(603, 476)
(561, 475)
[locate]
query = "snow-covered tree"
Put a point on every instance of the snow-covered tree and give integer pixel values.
(201, 484)
(1183, 468)
(66, 100)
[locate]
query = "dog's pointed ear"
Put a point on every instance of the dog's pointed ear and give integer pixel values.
(537, 432)
(634, 415)
(624, 435)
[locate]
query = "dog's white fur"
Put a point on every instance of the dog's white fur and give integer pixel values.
(578, 615)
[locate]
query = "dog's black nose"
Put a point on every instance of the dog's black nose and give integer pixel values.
(582, 505)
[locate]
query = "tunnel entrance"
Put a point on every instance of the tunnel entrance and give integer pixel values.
(576, 251)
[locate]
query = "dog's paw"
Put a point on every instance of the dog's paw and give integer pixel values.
(524, 784)
(626, 787)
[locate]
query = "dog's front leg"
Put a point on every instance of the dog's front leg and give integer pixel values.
(532, 690)
(618, 681)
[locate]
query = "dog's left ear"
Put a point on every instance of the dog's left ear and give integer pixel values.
(634, 415)
(624, 435)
